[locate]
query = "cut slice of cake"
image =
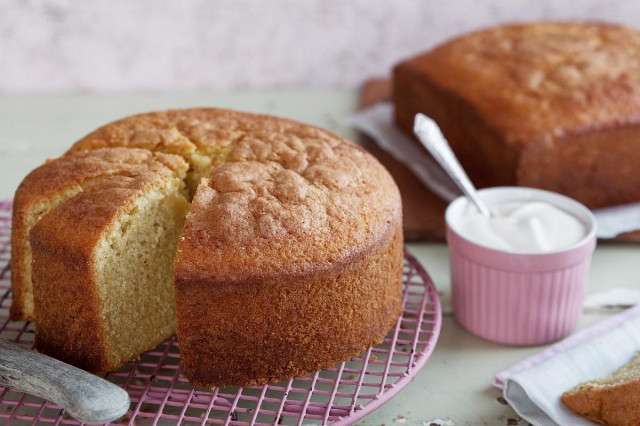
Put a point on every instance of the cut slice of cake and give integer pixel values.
(51, 184)
(102, 262)
(612, 400)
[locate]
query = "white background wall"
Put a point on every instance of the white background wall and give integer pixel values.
(49, 46)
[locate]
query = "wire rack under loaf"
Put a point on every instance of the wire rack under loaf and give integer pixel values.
(160, 394)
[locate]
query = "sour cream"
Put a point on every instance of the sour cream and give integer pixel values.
(523, 226)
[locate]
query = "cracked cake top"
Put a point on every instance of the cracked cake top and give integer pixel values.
(272, 197)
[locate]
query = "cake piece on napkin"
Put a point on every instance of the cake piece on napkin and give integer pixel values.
(534, 386)
(614, 399)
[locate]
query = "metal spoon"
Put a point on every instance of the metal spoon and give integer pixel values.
(85, 397)
(432, 138)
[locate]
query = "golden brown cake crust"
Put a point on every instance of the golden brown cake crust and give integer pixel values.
(612, 400)
(286, 204)
(291, 257)
(614, 405)
(186, 131)
(278, 328)
(278, 181)
(151, 131)
(519, 103)
(299, 240)
(53, 180)
(550, 79)
(63, 243)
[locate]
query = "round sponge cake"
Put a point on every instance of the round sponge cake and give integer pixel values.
(291, 255)
(291, 258)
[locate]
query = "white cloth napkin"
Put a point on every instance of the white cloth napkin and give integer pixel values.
(377, 122)
(534, 386)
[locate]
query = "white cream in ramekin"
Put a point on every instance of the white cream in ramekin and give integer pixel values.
(525, 226)
(516, 296)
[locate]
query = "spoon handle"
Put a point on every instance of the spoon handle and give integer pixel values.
(86, 397)
(432, 138)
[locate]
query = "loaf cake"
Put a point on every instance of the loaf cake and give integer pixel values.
(612, 400)
(547, 105)
(290, 258)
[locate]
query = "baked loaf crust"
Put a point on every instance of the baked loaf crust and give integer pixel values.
(612, 400)
(547, 105)
(291, 256)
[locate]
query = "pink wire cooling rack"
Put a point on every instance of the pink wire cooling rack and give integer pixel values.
(161, 395)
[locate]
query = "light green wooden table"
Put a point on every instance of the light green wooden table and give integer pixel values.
(455, 385)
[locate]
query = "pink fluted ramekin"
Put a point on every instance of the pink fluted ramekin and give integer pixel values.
(518, 298)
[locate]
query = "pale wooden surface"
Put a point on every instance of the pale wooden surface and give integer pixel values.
(455, 384)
